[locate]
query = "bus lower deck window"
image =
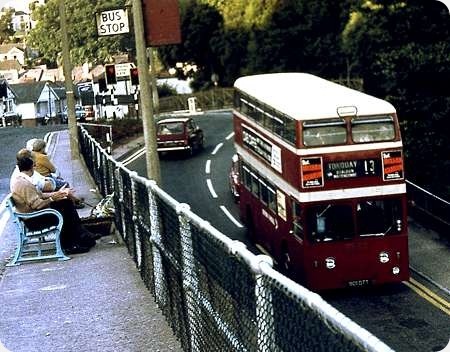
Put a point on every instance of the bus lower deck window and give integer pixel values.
(379, 217)
(330, 222)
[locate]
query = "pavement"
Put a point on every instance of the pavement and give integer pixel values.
(95, 301)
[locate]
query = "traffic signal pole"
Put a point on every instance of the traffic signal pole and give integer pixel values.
(146, 103)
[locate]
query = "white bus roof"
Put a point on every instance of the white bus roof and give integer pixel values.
(303, 96)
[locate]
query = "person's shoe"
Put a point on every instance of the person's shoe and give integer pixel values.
(76, 249)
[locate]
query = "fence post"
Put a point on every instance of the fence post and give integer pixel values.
(137, 240)
(264, 307)
(120, 195)
(188, 273)
(155, 240)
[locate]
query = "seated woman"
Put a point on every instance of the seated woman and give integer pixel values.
(45, 167)
(43, 163)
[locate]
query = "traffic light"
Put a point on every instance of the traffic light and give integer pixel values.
(102, 85)
(134, 75)
(110, 74)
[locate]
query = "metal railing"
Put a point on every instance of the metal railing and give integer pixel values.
(428, 209)
(215, 294)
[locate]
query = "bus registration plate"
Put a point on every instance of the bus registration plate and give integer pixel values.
(358, 283)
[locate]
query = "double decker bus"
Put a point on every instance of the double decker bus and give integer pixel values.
(321, 180)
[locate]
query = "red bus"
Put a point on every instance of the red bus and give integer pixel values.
(321, 180)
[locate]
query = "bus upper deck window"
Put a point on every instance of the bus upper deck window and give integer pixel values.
(375, 129)
(324, 132)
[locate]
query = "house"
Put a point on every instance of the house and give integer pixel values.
(10, 70)
(8, 114)
(39, 102)
(21, 22)
(13, 52)
(32, 75)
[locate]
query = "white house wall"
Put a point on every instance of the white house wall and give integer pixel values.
(26, 110)
(15, 54)
(43, 99)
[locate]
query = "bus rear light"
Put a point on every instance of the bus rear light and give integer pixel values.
(395, 270)
(330, 263)
(384, 257)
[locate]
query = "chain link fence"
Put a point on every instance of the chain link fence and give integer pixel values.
(215, 294)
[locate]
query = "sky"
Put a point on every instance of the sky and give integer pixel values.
(17, 4)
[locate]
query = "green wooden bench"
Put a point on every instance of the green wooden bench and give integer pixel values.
(36, 245)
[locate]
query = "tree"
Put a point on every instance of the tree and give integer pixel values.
(201, 26)
(5, 26)
(85, 44)
(299, 36)
(401, 52)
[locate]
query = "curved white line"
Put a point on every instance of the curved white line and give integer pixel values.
(211, 188)
(3, 220)
(216, 149)
(208, 167)
(231, 217)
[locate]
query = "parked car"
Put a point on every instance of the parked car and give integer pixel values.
(182, 134)
(89, 112)
(10, 118)
(233, 178)
(80, 113)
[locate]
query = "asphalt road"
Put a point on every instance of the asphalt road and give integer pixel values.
(186, 178)
(401, 317)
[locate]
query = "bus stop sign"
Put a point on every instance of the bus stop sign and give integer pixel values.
(112, 22)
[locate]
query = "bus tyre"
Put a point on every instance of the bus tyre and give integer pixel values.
(249, 223)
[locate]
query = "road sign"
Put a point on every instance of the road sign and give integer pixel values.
(123, 70)
(112, 22)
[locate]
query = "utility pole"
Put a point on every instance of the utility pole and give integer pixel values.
(67, 68)
(146, 103)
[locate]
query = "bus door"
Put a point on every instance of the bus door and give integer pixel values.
(292, 249)
(332, 257)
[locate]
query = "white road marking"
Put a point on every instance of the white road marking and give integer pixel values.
(211, 188)
(208, 167)
(216, 149)
(5, 217)
(231, 135)
(231, 217)
(3, 220)
(53, 287)
(133, 156)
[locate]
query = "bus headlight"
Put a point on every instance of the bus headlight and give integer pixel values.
(384, 257)
(330, 263)
(399, 225)
(395, 270)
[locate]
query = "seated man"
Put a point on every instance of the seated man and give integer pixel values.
(27, 198)
(44, 184)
